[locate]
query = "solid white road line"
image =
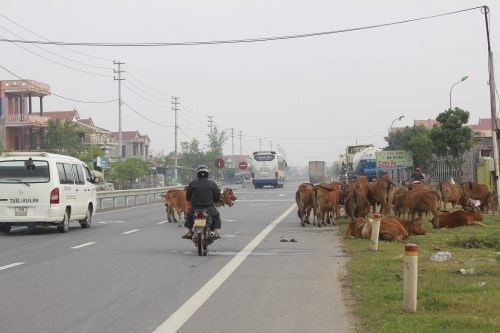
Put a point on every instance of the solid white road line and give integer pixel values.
(130, 231)
(82, 245)
(182, 315)
(11, 265)
(162, 222)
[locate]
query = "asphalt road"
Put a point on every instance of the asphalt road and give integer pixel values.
(132, 272)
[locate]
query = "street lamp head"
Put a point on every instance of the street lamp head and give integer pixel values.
(464, 78)
(401, 117)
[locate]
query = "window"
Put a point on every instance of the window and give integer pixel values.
(78, 171)
(65, 172)
(264, 158)
(17, 171)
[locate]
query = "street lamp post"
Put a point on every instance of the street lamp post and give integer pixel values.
(398, 118)
(454, 84)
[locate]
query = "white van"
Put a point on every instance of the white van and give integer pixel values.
(38, 188)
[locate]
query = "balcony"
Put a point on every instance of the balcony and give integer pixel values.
(22, 120)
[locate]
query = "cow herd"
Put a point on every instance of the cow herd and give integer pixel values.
(403, 207)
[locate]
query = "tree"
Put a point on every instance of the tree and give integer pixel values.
(216, 141)
(62, 135)
(126, 172)
(415, 139)
(451, 139)
(89, 153)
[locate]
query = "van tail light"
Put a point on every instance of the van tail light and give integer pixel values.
(54, 196)
(276, 174)
(200, 214)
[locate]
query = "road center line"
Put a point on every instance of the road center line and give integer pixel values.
(11, 265)
(182, 315)
(82, 245)
(130, 231)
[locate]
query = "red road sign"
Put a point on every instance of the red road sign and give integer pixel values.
(219, 163)
(243, 165)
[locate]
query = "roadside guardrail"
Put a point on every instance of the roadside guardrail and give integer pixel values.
(127, 198)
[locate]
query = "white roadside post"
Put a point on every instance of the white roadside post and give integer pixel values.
(410, 277)
(375, 232)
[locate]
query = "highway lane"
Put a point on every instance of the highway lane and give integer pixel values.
(131, 272)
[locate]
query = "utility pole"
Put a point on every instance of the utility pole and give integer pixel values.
(271, 144)
(232, 146)
(260, 144)
(119, 79)
(175, 107)
(494, 128)
(210, 123)
(240, 136)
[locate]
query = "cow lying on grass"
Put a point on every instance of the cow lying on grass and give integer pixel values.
(469, 216)
(391, 228)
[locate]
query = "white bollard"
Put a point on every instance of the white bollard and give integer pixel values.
(375, 232)
(410, 277)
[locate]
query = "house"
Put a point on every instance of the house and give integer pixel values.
(22, 121)
(133, 144)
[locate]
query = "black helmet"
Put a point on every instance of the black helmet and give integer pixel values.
(202, 171)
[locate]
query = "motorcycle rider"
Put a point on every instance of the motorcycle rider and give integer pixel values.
(202, 193)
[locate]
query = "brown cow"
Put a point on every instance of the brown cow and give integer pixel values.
(469, 216)
(326, 204)
(477, 192)
(411, 227)
(305, 202)
(355, 227)
(422, 201)
(390, 230)
(452, 193)
(176, 203)
(356, 201)
(379, 194)
(227, 197)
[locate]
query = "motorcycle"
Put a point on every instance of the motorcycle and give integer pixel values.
(202, 236)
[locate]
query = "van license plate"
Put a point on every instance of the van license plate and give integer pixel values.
(21, 211)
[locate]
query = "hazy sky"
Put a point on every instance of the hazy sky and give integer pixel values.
(312, 96)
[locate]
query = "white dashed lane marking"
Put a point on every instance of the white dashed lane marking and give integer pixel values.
(82, 245)
(11, 265)
(130, 231)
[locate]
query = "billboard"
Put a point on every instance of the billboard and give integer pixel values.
(394, 159)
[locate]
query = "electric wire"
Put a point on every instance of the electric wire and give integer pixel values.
(144, 117)
(238, 41)
(55, 54)
(58, 63)
(54, 94)
(67, 48)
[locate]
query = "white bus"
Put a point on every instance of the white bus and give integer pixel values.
(268, 169)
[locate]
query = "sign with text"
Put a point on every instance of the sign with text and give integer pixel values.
(394, 159)
(219, 163)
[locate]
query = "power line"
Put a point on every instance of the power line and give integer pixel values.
(144, 117)
(67, 48)
(54, 94)
(237, 41)
(58, 63)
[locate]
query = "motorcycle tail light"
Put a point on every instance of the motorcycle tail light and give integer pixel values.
(200, 214)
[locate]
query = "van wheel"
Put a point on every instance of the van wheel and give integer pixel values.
(85, 223)
(5, 228)
(64, 227)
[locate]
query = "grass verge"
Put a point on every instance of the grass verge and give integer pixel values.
(447, 300)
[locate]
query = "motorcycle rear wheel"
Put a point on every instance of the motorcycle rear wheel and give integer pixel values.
(199, 245)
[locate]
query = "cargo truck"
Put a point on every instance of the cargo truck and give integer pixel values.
(317, 172)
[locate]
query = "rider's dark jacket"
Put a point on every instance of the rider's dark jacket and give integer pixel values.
(202, 193)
